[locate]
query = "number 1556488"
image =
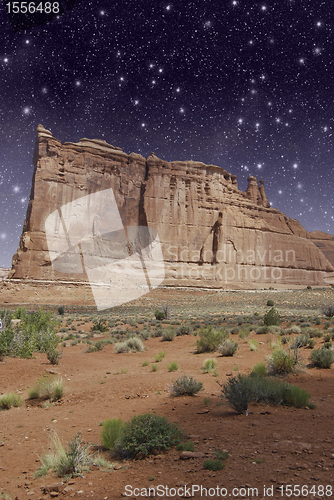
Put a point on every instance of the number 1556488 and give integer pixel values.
(33, 7)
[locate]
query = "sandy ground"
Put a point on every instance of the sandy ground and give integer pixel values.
(269, 448)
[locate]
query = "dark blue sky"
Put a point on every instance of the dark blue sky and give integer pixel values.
(245, 85)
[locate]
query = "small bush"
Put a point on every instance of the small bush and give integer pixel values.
(300, 341)
(210, 339)
(238, 393)
(173, 366)
(100, 325)
(159, 357)
(272, 317)
(111, 432)
(327, 345)
(228, 347)
(145, 433)
(222, 454)
(188, 446)
(184, 330)
(327, 337)
(10, 400)
(262, 330)
(185, 386)
(259, 370)
(159, 315)
(280, 363)
(45, 388)
(61, 310)
(134, 344)
(70, 461)
(322, 358)
(154, 368)
(253, 345)
(145, 363)
(270, 303)
(168, 335)
(294, 329)
(213, 464)
(328, 311)
(54, 356)
(209, 366)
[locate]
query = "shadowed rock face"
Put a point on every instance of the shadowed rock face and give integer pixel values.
(211, 233)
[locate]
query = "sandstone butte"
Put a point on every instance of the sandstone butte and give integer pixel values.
(212, 234)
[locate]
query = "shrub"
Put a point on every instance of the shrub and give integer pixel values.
(154, 368)
(314, 333)
(209, 366)
(70, 461)
(134, 344)
(111, 432)
(280, 363)
(228, 347)
(294, 329)
(259, 369)
(327, 345)
(61, 310)
(173, 366)
(184, 330)
(300, 341)
(238, 393)
(45, 388)
(159, 356)
(213, 464)
(253, 345)
(222, 454)
(210, 339)
(322, 358)
(54, 356)
(145, 363)
(272, 317)
(159, 315)
(262, 330)
(145, 433)
(168, 335)
(189, 446)
(185, 386)
(327, 337)
(10, 399)
(270, 303)
(100, 325)
(328, 311)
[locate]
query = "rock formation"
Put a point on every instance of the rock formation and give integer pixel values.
(211, 233)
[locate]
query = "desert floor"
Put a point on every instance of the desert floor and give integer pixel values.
(271, 447)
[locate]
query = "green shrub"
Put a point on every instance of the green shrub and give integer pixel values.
(111, 432)
(294, 329)
(9, 400)
(253, 345)
(159, 315)
(184, 330)
(259, 369)
(70, 461)
(46, 388)
(213, 464)
(270, 303)
(327, 345)
(300, 341)
(238, 393)
(145, 363)
(327, 337)
(168, 335)
(272, 317)
(173, 366)
(185, 386)
(159, 357)
(222, 454)
(188, 446)
(100, 325)
(54, 356)
(262, 330)
(154, 367)
(314, 333)
(295, 396)
(210, 339)
(145, 433)
(228, 347)
(61, 310)
(280, 363)
(134, 344)
(209, 366)
(322, 358)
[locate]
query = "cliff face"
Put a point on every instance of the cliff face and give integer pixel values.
(211, 233)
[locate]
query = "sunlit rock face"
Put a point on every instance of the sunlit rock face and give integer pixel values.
(87, 196)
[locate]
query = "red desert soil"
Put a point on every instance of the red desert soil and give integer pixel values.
(272, 446)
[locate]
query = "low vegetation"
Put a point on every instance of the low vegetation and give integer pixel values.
(134, 344)
(185, 386)
(210, 339)
(47, 388)
(322, 358)
(10, 400)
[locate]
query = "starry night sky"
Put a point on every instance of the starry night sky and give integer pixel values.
(245, 85)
